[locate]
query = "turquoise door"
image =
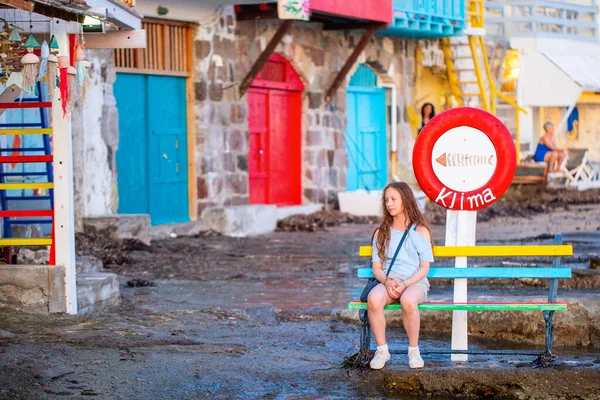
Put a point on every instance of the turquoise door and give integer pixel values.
(366, 141)
(152, 154)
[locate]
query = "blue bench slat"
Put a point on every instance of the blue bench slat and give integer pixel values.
(487, 272)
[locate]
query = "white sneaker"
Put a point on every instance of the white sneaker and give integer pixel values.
(380, 358)
(414, 358)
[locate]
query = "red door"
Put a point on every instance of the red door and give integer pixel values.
(274, 121)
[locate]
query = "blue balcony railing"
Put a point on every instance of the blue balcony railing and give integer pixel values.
(427, 18)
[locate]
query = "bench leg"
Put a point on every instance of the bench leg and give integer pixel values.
(365, 332)
(546, 359)
(549, 331)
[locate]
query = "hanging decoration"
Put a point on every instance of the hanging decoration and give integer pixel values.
(14, 35)
(44, 53)
(10, 54)
(86, 85)
(433, 56)
(72, 85)
(52, 75)
(30, 64)
(80, 66)
(52, 70)
(63, 64)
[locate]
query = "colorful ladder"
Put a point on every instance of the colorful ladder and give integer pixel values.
(26, 217)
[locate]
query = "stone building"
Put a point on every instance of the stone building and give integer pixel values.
(220, 160)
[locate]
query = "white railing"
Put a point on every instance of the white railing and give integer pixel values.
(558, 19)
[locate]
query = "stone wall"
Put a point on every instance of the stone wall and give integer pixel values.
(225, 52)
(221, 117)
(95, 130)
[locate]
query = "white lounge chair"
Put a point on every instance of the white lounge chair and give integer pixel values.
(576, 171)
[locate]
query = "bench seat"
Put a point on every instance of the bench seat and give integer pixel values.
(473, 306)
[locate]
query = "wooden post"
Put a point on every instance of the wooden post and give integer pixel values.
(460, 231)
(264, 56)
(64, 220)
(364, 40)
(191, 123)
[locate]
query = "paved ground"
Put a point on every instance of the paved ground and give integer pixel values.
(262, 318)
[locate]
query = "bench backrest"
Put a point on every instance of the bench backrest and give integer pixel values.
(555, 251)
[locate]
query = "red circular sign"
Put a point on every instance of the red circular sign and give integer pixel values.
(464, 159)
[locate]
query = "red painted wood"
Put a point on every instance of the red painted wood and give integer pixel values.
(370, 10)
(26, 104)
(52, 259)
(27, 213)
(72, 43)
(275, 144)
(24, 159)
(258, 107)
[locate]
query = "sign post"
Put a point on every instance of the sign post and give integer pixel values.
(464, 160)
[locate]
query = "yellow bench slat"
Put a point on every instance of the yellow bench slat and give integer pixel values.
(25, 242)
(17, 186)
(491, 251)
(26, 131)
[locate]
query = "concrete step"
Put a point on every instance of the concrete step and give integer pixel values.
(241, 221)
(96, 290)
(85, 264)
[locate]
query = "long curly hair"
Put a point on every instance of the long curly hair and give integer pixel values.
(410, 209)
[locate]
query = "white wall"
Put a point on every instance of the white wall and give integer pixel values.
(95, 141)
(199, 11)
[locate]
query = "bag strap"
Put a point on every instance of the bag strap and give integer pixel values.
(398, 248)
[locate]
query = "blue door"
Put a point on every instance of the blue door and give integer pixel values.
(366, 141)
(152, 154)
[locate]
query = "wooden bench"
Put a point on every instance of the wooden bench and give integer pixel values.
(553, 273)
(530, 173)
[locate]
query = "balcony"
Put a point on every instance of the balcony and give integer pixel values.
(427, 18)
(549, 19)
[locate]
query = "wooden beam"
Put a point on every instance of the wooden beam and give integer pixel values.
(262, 59)
(335, 26)
(133, 39)
(24, 5)
(364, 40)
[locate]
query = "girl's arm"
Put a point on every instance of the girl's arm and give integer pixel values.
(423, 270)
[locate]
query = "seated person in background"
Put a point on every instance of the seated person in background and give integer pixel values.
(547, 151)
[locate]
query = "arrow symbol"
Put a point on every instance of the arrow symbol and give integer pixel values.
(442, 159)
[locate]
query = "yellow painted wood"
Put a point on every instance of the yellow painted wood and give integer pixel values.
(518, 137)
(488, 74)
(26, 131)
(17, 186)
(191, 125)
(473, 42)
(510, 101)
(589, 98)
(491, 251)
(25, 242)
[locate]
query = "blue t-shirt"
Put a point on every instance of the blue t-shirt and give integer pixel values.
(414, 249)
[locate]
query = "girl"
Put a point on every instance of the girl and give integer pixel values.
(407, 281)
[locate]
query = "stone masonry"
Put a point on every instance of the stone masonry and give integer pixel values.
(225, 53)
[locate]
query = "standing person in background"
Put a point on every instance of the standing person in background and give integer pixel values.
(427, 113)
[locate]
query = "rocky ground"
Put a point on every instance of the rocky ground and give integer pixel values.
(264, 317)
